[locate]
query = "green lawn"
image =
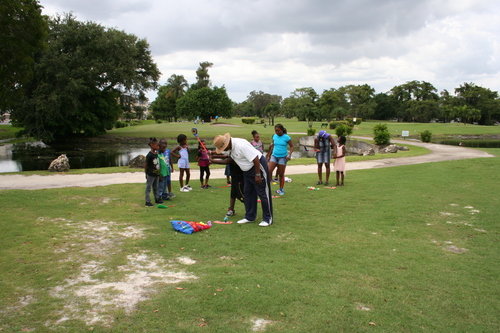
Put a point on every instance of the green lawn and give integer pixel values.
(412, 248)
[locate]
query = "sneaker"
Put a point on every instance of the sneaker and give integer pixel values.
(184, 189)
(280, 192)
(326, 183)
(171, 195)
(276, 179)
(244, 221)
(319, 183)
(165, 198)
(188, 187)
(264, 224)
(230, 212)
(158, 201)
(149, 204)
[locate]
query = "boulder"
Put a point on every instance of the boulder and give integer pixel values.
(389, 149)
(369, 152)
(137, 162)
(60, 164)
(403, 148)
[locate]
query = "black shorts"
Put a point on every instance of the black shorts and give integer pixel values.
(237, 191)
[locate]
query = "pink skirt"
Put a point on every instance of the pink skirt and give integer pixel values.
(339, 164)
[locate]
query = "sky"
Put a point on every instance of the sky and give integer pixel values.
(277, 46)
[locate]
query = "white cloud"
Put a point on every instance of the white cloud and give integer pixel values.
(277, 46)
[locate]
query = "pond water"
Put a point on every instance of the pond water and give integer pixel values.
(472, 143)
(38, 156)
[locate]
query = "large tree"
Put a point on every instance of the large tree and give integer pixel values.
(23, 32)
(205, 103)
(79, 80)
(261, 100)
(164, 106)
(483, 99)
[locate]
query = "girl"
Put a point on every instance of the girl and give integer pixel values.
(256, 143)
(204, 164)
(183, 162)
(339, 157)
(152, 170)
(278, 154)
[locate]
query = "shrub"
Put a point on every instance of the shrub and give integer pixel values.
(248, 121)
(426, 136)
(311, 131)
(381, 134)
(120, 124)
(334, 124)
(351, 122)
(343, 129)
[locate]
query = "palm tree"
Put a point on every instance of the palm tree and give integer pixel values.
(176, 86)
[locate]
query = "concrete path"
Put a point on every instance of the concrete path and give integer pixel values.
(35, 182)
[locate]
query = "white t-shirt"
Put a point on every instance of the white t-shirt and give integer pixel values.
(243, 153)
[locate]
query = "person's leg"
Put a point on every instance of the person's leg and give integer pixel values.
(149, 184)
(271, 167)
(188, 175)
(338, 176)
(320, 174)
(264, 193)
(181, 177)
(342, 178)
(208, 175)
(202, 172)
(250, 195)
(281, 172)
(155, 189)
(327, 167)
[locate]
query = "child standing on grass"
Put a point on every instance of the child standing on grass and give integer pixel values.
(278, 154)
(165, 167)
(152, 170)
(203, 163)
(339, 165)
(183, 162)
(256, 143)
(237, 181)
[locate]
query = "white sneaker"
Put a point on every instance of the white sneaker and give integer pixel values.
(184, 189)
(244, 221)
(264, 224)
(188, 187)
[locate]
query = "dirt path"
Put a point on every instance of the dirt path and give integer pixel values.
(35, 182)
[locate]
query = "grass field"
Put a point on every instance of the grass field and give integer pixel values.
(401, 249)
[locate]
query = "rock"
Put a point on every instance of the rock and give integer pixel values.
(369, 152)
(389, 149)
(60, 164)
(403, 148)
(137, 162)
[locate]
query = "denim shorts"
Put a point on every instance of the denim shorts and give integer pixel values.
(278, 160)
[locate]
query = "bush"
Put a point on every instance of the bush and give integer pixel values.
(334, 124)
(120, 124)
(426, 136)
(381, 134)
(351, 123)
(343, 129)
(311, 131)
(248, 121)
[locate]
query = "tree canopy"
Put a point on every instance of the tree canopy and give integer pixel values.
(80, 78)
(23, 31)
(205, 103)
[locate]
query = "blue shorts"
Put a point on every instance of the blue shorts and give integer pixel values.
(278, 160)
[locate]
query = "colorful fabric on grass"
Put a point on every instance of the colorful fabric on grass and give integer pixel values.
(188, 227)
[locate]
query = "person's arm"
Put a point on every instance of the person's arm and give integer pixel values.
(146, 168)
(174, 150)
(290, 143)
(223, 160)
(316, 143)
(170, 162)
(270, 152)
(256, 164)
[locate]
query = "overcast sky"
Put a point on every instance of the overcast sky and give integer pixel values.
(279, 45)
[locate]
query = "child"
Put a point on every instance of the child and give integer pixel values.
(256, 143)
(152, 170)
(183, 162)
(165, 167)
(203, 163)
(323, 143)
(237, 180)
(339, 165)
(278, 154)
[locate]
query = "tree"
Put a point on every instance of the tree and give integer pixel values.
(482, 99)
(164, 106)
(176, 86)
(385, 108)
(202, 77)
(205, 103)
(361, 103)
(272, 110)
(22, 35)
(261, 99)
(80, 78)
(413, 97)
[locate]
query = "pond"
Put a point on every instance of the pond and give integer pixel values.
(38, 156)
(471, 143)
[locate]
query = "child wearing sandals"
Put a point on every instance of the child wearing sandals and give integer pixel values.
(183, 162)
(339, 165)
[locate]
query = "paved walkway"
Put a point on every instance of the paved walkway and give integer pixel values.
(35, 182)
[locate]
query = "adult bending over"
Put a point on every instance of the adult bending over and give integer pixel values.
(324, 143)
(257, 179)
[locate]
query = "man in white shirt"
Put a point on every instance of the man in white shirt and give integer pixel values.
(256, 175)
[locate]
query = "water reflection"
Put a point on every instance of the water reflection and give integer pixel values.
(38, 156)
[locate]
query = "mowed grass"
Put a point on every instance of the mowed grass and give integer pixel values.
(411, 248)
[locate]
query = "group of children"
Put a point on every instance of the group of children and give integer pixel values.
(158, 166)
